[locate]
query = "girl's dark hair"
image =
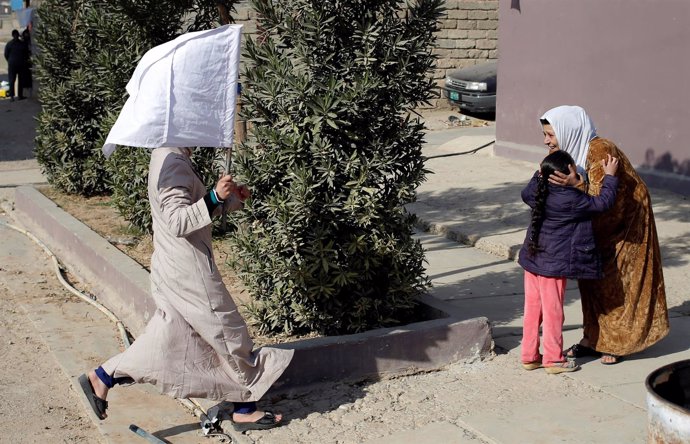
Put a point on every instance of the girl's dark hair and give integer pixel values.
(544, 122)
(557, 161)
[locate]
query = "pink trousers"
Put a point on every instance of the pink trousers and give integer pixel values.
(543, 306)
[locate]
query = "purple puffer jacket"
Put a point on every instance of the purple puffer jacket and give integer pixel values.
(566, 241)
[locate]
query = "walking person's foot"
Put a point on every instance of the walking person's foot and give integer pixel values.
(96, 392)
(99, 388)
(257, 420)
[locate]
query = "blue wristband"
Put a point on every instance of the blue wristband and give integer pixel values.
(214, 197)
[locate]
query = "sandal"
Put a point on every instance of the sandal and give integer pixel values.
(98, 405)
(561, 367)
(532, 365)
(580, 351)
(268, 421)
(616, 359)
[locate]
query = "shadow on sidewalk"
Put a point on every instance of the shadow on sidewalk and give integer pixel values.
(332, 397)
(675, 251)
(477, 213)
(682, 309)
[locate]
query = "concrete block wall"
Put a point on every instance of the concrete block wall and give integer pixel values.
(468, 35)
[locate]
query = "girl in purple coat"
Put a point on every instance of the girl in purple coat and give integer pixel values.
(559, 245)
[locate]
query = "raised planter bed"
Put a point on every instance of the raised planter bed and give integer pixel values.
(122, 285)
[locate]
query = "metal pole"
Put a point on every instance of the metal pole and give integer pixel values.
(224, 15)
(144, 434)
(240, 136)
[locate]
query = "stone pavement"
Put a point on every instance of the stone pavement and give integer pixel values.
(474, 199)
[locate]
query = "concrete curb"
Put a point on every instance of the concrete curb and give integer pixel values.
(118, 281)
(500, 249)
(426, 345)
(122, 285)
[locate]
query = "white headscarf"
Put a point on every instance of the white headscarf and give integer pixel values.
(574, 129)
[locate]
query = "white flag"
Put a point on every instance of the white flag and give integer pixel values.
(182, 93)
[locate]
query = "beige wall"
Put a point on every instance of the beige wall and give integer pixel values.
(625, 61)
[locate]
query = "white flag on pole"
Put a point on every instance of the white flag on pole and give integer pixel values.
(182, 93)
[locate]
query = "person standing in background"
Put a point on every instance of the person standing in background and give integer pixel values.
(17, 56)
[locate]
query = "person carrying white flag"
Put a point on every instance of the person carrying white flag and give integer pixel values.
(182, 94)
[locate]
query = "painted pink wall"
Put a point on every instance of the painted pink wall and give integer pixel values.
(627, 62)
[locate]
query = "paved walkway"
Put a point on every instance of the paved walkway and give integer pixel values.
(475, 199)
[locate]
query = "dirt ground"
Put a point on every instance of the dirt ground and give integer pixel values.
(36, 402)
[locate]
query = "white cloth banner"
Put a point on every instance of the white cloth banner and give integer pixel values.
(182, 93)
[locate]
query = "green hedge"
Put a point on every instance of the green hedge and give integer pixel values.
(325, 244)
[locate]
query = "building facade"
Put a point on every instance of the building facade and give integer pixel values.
(623, 61)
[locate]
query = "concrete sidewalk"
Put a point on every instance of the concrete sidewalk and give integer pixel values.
(476, 221)
(475, 199)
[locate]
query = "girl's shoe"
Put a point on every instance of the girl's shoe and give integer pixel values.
(533, 365)
(561, 367)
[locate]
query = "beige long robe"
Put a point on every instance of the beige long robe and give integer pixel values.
(196, 344)
(624, 312)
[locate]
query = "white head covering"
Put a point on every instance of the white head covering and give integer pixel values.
(574, 129)
(182, 93)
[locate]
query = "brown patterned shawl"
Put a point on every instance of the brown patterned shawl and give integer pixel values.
(624, 312)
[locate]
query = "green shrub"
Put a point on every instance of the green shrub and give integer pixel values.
(72, 99)
(325, 244)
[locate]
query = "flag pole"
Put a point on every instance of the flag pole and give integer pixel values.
(240, 129)
(224, 15)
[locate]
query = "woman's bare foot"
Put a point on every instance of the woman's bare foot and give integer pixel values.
(609, 359)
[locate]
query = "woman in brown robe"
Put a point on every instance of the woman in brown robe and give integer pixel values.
(625, 311)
